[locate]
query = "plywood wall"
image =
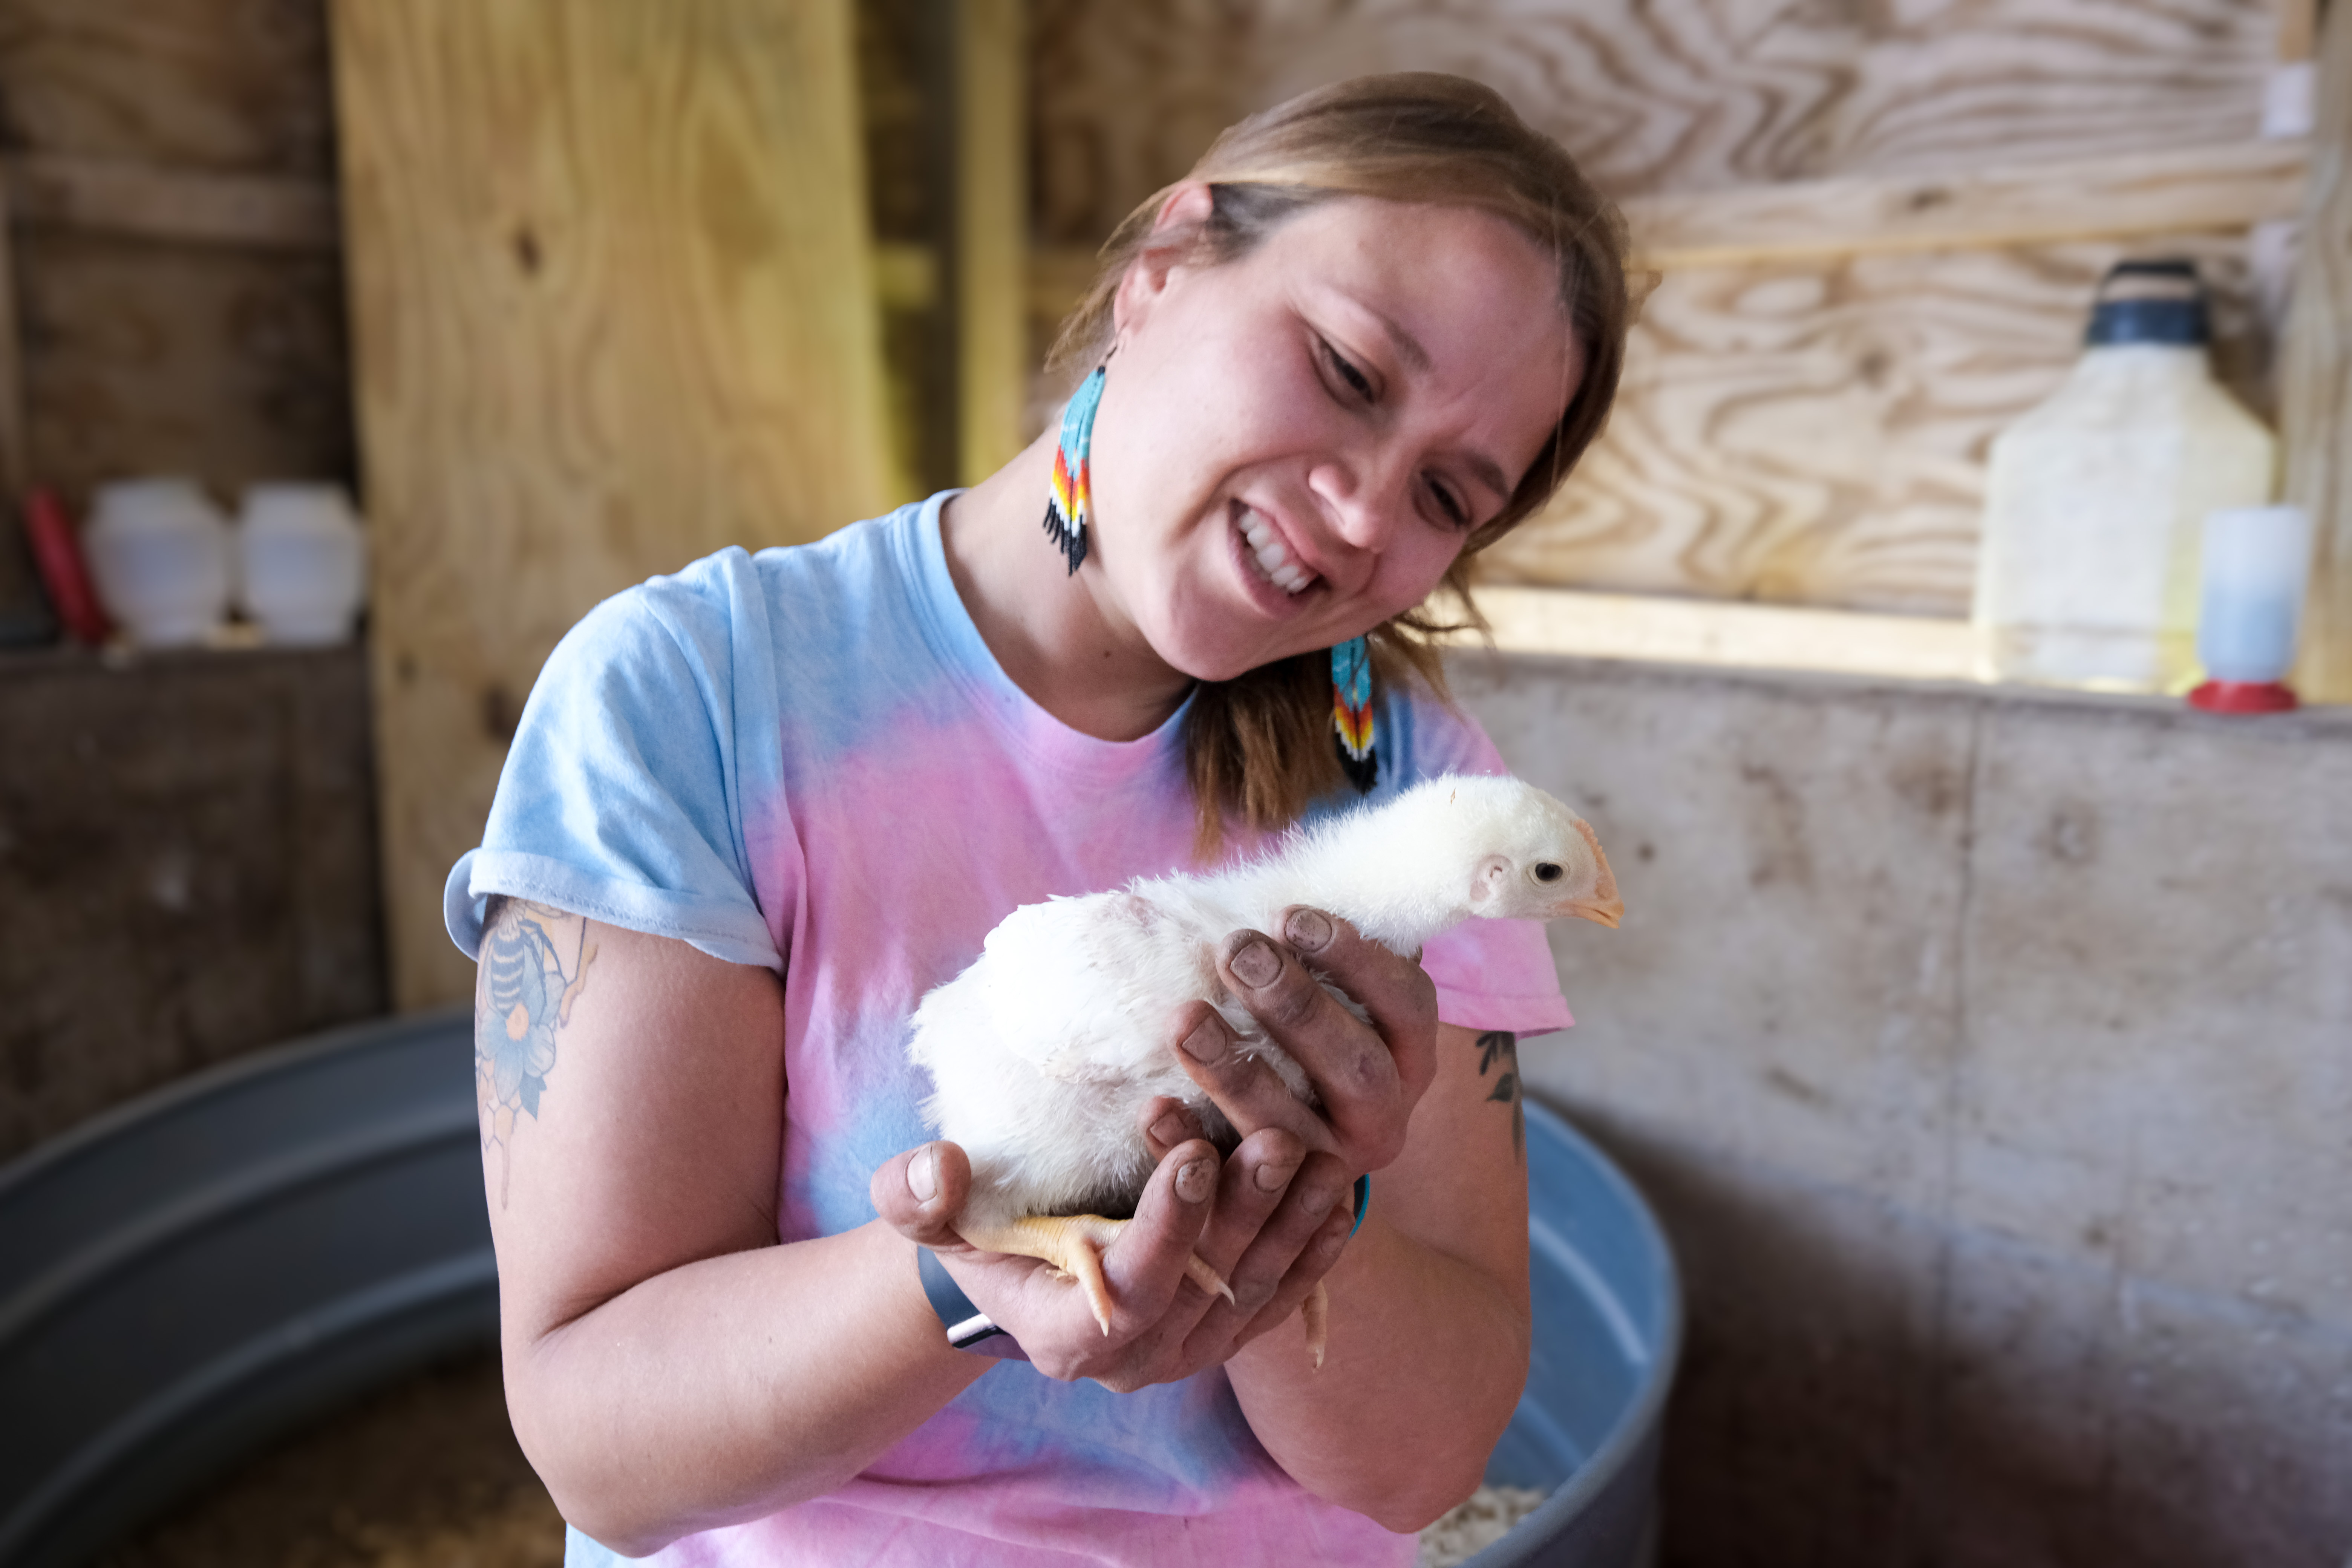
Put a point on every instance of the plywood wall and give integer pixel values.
(1808, 430)
(613, 310)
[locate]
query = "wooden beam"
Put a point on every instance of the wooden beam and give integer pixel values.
(145, 201)
(1572, 623)
(2316, 374)
(2202, 190)
(991, 208)
(2181, 192)
(612, 309)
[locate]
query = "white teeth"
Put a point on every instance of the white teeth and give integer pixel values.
(1271, 557)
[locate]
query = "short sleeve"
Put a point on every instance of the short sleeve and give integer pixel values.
(628, 791)
(1490, 974)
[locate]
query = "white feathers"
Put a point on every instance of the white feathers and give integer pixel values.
(1044, 1052)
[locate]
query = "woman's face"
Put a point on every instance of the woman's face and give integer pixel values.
(1294, 446)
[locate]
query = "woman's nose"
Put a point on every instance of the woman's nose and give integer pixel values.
(1364, 498)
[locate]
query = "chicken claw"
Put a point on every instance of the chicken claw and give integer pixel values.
(1075, 1245)
(1315, 1312)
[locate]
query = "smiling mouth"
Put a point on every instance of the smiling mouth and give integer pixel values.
(1267, 554)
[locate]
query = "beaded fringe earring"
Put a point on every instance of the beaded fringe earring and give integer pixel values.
(1071, 503)
(1351, 712)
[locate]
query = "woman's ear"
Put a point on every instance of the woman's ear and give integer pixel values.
(1187, 208)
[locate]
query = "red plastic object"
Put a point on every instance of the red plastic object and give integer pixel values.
(2245, 696)
(56, 555)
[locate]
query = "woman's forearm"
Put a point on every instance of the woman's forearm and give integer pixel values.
(728, 1388)
(1427, 1358)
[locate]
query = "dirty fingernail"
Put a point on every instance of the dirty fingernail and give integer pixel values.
(1333, 1237)
(1194, 1181)
(1275, 1175)
(1255, 964)
(1205, 1044)
(1317, 1201)
(1169, 1129)
(1307, 929)
(923, 1176)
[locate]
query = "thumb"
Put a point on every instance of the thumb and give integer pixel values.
(920, 1193)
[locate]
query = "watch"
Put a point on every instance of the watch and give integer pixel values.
(968, 1328)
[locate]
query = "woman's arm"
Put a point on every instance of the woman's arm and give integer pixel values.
(670, 1366)
(1430, 1321)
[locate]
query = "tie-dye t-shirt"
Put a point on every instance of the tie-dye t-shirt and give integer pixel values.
(808, 758)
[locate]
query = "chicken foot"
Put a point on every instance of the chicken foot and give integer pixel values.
(1075, 1245)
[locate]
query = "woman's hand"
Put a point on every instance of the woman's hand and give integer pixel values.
(1369, 1076)
(1269, 1219)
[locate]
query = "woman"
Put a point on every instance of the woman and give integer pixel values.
(755, 810)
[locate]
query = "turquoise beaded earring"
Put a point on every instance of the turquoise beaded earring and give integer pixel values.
(1070, 505)
(1351, 712)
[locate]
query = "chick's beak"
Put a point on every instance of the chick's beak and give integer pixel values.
(1604, 906)
(1607, 912)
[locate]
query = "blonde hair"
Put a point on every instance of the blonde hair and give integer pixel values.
(1259, 747)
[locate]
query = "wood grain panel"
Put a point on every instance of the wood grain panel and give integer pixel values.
(227, 365)
(1659, 95)
(218, 84)
(1818, 434)
(612, 309)
(2315, 377)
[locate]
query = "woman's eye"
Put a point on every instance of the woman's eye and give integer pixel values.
(1356, 381)
(1449, 504)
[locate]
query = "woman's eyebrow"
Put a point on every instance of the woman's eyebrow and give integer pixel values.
(1483, 469)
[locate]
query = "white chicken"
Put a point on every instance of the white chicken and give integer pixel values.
(1044, 1052)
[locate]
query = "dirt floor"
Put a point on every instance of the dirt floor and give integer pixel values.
(425, 1475)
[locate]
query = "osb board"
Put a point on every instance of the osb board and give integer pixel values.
(1818, 434)
(228, 365)
(1656, 95)
(187, 870)
(612, 309)
(219, 84)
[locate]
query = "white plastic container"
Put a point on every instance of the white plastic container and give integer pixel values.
(2087, 571)
(302, 561)
(159, 555)
(2257, 568)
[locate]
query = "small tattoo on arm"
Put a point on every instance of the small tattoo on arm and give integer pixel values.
(1502, 1046)
(523, 997)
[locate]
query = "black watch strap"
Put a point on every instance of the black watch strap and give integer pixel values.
(968, 1328)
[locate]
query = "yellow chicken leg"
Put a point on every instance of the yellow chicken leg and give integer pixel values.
(1316, 1313)
(1075, 1245)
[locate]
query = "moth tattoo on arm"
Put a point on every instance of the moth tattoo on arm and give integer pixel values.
(534, 964)
(1502, 1046)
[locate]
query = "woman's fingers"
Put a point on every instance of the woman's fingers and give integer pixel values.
(1249, 1091)
(1166, 1122)
(1356, 1071)
(1397, 992)
(1292, 1250)
(919, 1194)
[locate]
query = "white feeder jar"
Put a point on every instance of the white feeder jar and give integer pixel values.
(302, 561)
(159, 555)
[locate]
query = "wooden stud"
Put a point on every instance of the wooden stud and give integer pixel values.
(612, 309)
(2316, 374)
(991, 232)
(144, 200)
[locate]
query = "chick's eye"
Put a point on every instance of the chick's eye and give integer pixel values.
(1547, 872)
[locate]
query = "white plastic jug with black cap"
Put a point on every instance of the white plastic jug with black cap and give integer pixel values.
(2087, 569)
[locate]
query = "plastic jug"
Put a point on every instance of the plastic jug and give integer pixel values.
(2087, 571)
(159, 552)
(302, 563)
